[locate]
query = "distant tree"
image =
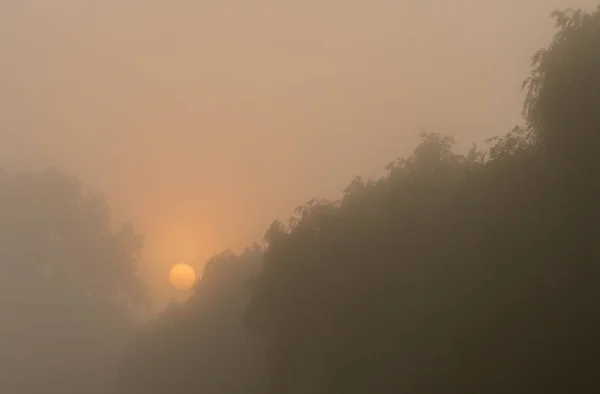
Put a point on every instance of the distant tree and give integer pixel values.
(67, 281)
(201, 346)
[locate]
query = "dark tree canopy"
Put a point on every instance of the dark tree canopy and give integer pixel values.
(563, 91)
(453, 274)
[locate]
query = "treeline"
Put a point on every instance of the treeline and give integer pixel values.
(451, 274)
(474, 273)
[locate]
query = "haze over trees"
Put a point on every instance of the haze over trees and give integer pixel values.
(67, 285)
(453, 273)
(202, 345)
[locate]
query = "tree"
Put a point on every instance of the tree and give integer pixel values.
(453, 274)
(450, 274)
(563, 91)
(201, 346)
(66, 285)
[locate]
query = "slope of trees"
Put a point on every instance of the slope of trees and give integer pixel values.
(201, 346)
(67, 281)
(473, 273)
(453, 274)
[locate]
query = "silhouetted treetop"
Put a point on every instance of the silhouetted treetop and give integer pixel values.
(563, 91)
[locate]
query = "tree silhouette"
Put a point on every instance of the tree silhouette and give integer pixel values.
(201, 346)
(452, 273)
(472, 273)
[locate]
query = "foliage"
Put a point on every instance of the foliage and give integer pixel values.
(563, 91)
(472, 273)
(452, 273)
(201, 346)
(66, 282)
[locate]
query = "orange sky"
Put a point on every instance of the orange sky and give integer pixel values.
(205, 120)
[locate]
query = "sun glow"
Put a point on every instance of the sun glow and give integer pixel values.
(182, 276)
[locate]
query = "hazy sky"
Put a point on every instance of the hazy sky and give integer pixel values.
(205, 120)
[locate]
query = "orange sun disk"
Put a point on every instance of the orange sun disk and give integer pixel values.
(182, 276)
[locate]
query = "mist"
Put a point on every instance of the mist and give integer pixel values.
(203, 122)
(138, 135)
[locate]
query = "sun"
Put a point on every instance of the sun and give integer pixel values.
(182, 276)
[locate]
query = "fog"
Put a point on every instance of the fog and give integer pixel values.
(204, 121)
(177, 130)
